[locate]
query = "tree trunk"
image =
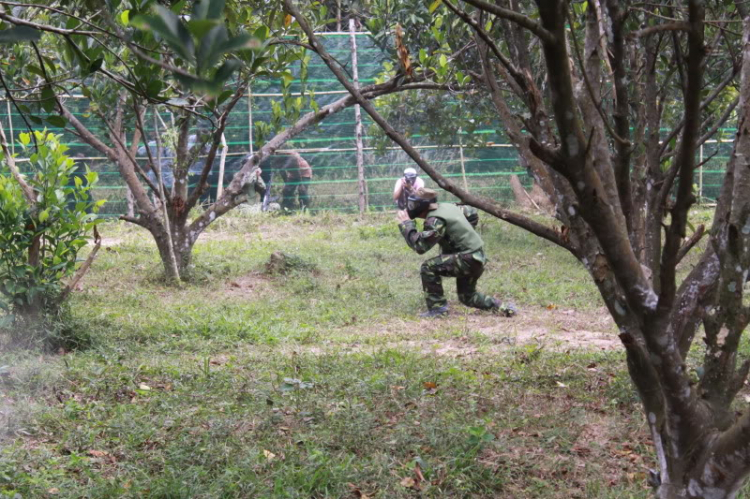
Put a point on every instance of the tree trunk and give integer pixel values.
(182, 245)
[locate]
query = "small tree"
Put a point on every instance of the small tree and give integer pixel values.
(196, 59)
(46, 218)
(583, 90)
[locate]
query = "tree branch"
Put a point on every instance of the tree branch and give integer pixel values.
(515, 17)
(539, 229)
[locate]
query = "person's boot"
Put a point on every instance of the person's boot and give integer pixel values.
(506, 309)
(435, 312)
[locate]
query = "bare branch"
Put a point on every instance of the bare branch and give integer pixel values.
(482, 203)
(515, 17)
(83, 269)
(28, 192)
(700, 231)
(660, 28)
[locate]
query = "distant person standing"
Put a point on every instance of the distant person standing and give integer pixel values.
(297, 174)
(405, 186)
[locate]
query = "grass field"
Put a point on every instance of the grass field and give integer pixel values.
(323, 382)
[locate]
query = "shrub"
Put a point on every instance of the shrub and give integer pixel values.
(40, 239)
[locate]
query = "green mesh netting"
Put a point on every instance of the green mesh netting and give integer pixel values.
(330, 146)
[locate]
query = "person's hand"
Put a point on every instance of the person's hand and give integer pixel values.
(402, 216)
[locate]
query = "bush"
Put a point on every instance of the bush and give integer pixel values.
(40, 240)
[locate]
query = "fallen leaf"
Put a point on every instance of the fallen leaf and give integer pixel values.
(53, 490)
(356, 492)
(418, 474)
(429, 385)
(409, 483)
(269, 455)
(144, 386)
(551, 306)
(97, 453)
(561, 385)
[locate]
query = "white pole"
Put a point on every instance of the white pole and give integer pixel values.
(250, 118)
(463, 163)
(10, 126)
(222, 161)
(358, 122)
(700, 176)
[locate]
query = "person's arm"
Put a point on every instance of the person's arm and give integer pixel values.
(397, 189)
(422, 242)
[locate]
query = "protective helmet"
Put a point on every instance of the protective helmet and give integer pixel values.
(419, 201)
(410, 173)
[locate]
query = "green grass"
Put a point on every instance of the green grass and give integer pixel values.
(322, 382)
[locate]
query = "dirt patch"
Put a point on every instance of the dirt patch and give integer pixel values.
(558, 330)
(478, 333)
(246, 286)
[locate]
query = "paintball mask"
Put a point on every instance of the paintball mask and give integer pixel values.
(420, 201)
(410, 175)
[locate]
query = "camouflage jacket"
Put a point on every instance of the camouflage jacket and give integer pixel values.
(255, 184)
(434, 233)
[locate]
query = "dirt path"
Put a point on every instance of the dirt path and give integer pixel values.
(478, 333)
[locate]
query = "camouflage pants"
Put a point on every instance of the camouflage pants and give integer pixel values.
(299, 184)
(466, 269)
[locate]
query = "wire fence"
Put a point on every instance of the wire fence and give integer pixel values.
(330, 147)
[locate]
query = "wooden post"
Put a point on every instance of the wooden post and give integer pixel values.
(338, 15)
(358, 122)
(463, 163)
(222, 162)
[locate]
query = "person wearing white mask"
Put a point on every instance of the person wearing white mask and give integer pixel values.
(405, 186)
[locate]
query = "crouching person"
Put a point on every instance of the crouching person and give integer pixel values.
(461, 255)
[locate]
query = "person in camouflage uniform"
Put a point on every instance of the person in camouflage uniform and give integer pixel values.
(461, 256)
(255, 184)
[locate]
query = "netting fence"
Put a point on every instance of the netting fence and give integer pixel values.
(330, 147)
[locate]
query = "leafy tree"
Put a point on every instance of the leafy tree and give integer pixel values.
(132, 58)
(583, 91)
(46, 217)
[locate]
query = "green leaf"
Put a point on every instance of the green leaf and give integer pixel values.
(48, 99)
(287, 77)
(261, 33)
(154, 87)
(19, 34)
(435, 5)
(57, 121)
(177, 8)
(208, 9)
(199, 27)
(226, 70)
(224, 96)
(44, 215)
(125, 17)
(209, 50)
(169, 27)
(24, 138)
(95, 65)
(242, 41)
(443, 61)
